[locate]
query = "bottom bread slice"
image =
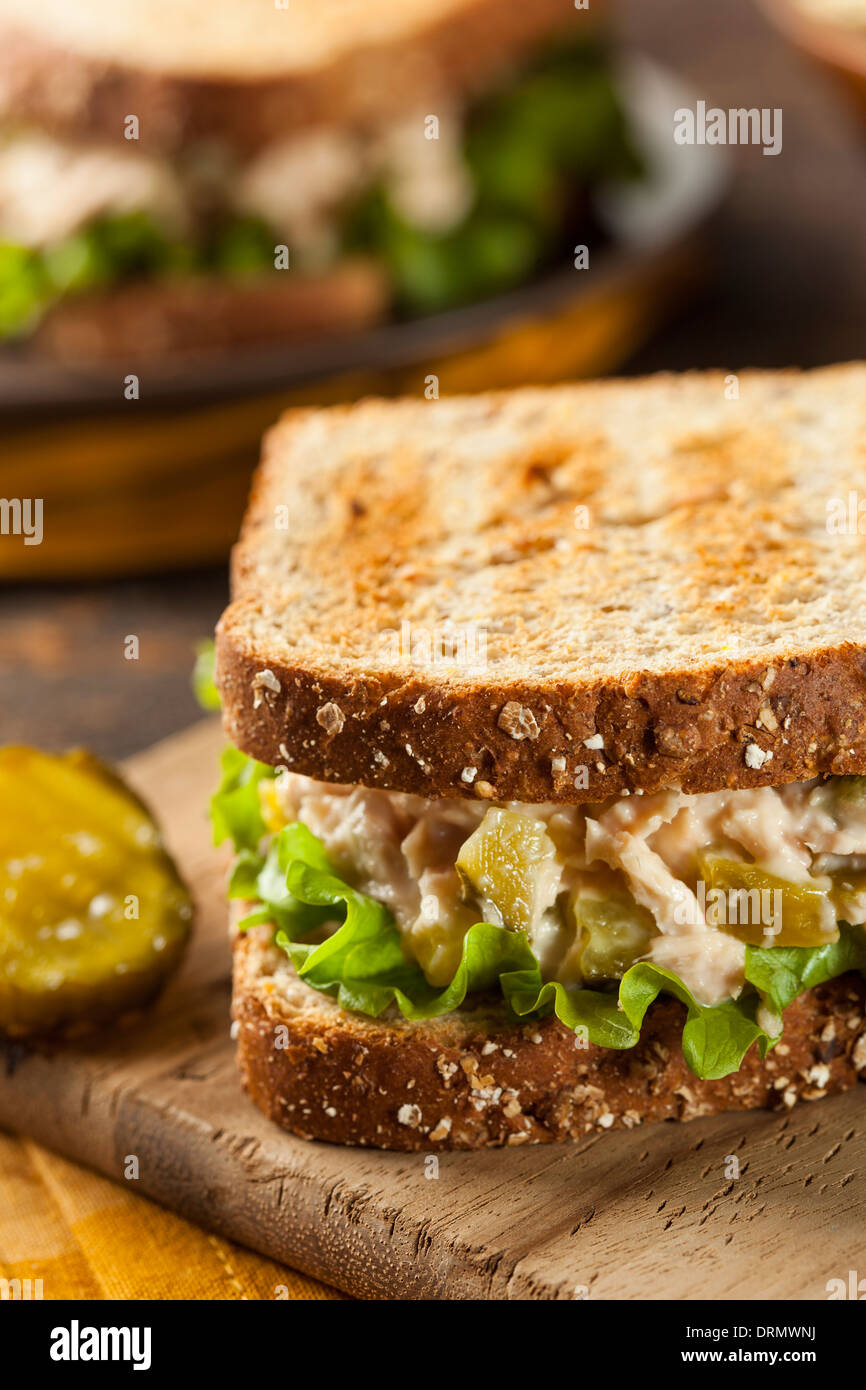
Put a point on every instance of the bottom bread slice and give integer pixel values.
(475, 1078)
(148, 320)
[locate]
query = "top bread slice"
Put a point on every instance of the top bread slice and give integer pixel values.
(250, 71)
(648, 583)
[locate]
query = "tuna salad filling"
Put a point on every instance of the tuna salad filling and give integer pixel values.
(596, 888)
(731, 901)
(455, 205)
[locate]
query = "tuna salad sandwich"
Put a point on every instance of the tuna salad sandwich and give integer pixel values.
(548, 769)
(176, 177)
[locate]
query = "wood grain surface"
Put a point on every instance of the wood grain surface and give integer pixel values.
(650, 1214)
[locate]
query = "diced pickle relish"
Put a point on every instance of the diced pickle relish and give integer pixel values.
(764, 910)
(507, 862)
(615, 933)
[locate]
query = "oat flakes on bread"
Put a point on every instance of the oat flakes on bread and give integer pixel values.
(613, 871)
(696, 622)
(475, 1080)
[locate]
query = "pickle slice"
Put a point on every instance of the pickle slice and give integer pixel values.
(615, 933)
(749, 910)
(93, 913)
(510, 863)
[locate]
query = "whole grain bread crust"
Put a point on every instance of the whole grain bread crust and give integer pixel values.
(703, 633)
(81, 97)
(153, 319)
(473, 1080)
(690, 729)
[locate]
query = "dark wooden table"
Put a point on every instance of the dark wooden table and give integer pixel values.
(790, 289)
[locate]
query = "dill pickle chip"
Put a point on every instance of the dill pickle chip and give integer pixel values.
(93, 913)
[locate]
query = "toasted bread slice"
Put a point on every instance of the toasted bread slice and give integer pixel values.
(645, 584)
(248, 72)
(154, 319)
(475, 1079)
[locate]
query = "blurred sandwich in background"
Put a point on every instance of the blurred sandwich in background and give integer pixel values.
(177, 177)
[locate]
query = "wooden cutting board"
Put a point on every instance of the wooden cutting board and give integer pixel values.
(651, 1213)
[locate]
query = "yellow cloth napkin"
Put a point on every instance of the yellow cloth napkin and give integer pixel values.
(88, 1238)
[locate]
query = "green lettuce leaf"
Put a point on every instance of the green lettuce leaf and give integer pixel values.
(235, 809)
(362, 963)
(24, 289)
(119, 247)
(557, 126)
(244, 876)
(780, 973)
(363, 966)
(294, 918)
(715, 1038)
(203, 686)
